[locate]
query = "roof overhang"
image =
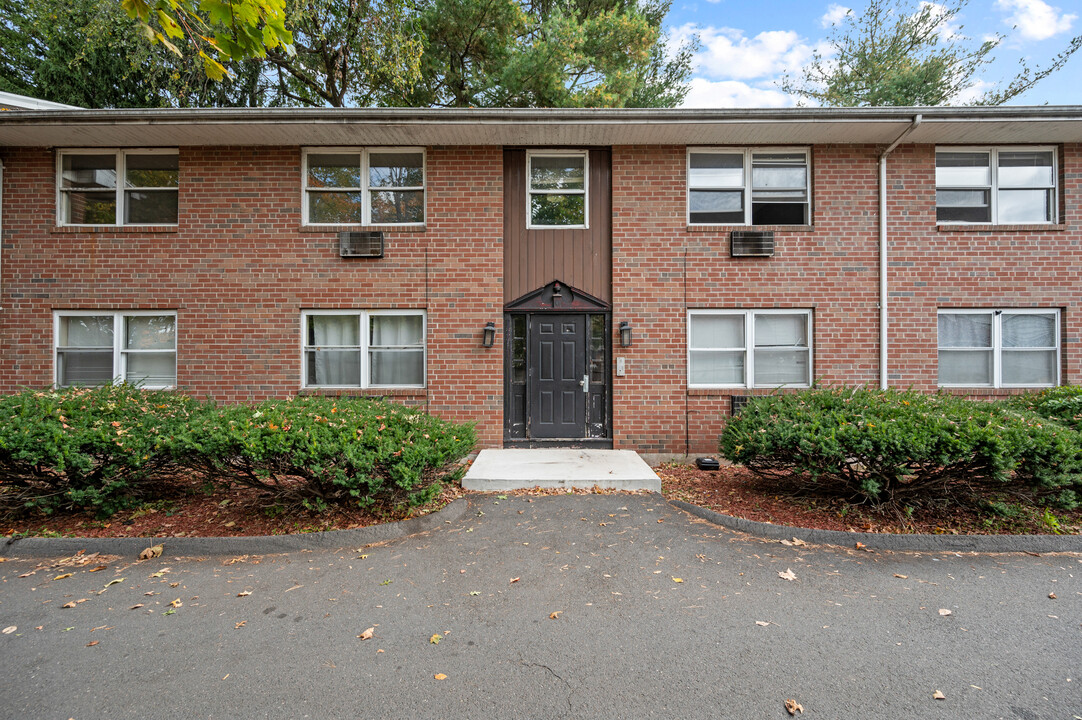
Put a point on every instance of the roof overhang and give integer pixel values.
(429, 127)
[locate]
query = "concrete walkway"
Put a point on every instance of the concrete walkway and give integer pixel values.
(500, 470)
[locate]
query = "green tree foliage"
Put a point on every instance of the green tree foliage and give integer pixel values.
(547, 53)
(903, 52)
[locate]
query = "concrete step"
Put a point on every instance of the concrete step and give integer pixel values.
(514, 469)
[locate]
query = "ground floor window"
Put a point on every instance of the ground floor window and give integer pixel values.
(372, 348)
(999, 348)
(749, 348)
(98, 347)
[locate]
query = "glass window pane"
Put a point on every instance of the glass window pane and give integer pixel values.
(333, 331)
(396, 169)
(334, 170)
(160, 171)
(86, 331)
(1029, 331)
(557, 210)
(150, 332)
(958, 330)
(1024, 206)
(398, 206)
(716, 170)
(1029, 367)
(779, 171)
(88, 171)
(1025, 169)
(716, 206)
(781, 367)
(151, 207)
(334, 207)
(396, 330)
(773, 330)
(396, 367)
(965, 367)
(558, 173)
(90, 208)
(152, 369)
(962, 169)
(775, 213)
(333, 367)
(717, 367)
(84, 367)
(717, 331)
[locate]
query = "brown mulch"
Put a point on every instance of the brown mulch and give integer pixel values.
(193, 509)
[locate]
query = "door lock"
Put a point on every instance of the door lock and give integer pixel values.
(585, 383)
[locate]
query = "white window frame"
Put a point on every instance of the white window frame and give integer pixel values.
(585, 192)
(749, 345)
(997, 344)
(121, 175)
(120, 353)
(994, 188)
(747, 190)
(363, 318)
(364, 188)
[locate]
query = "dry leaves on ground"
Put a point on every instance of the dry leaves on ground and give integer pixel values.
(787, 575)
(792, 707)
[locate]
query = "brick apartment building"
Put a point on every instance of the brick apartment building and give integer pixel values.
(606, 277)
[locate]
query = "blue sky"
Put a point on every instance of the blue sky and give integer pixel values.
(747, 45)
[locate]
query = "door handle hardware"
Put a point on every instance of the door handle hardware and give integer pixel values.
(585, 383)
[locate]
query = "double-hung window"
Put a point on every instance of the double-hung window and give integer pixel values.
(367, 349)
(999, 186)
(749, 348)
(999, 348)
(96, 348)
(378, 186)
(748, 187)
(120, 187)
(557, 189)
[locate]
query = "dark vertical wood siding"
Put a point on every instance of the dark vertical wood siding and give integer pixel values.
(580, 258)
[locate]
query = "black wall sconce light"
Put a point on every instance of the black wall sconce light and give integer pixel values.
(488, 339)
(625, 334)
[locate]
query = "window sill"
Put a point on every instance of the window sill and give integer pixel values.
(366, 392)
(362, 228)
(736, 390)
(991, 228)
(990, 391)
(753, 228)
(99, 229)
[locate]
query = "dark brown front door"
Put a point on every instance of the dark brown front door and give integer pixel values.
(560, 383)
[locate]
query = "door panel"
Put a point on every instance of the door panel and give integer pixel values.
(557, 396)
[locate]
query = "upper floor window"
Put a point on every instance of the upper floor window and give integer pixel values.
(96, 347)
(557, 189)
(749, 348)
(381, 186)
(1000, 186)
(353, 348)
(748, 187)
(119, 187)
(999, 348)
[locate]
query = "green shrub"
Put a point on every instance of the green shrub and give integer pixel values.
(93, 448)
(313, 451)
(903, 447)
(1062, 404)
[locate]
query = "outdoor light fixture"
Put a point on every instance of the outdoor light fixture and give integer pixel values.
(489, 337)
(625, 334)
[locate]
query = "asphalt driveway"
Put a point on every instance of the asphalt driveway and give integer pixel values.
(597, 606)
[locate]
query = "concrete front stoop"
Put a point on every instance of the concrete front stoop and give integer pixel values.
(500, 470)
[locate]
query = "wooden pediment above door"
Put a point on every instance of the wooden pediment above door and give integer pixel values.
(558, 297)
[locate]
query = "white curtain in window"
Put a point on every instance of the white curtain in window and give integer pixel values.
(332, 360)
(717, 367)
(717, 331)
(965, 330)
(1029, 331)
(965, 367)
(781, 330)
(396, 350)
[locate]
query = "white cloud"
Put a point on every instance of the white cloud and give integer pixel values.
(1035, 19)
(834, 15)
(733, 94)
(727, 54)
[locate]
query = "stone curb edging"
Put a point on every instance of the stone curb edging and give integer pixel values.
(32, 547)
(888, 541)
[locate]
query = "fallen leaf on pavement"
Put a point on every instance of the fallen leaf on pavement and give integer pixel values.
(678, 580)
(92, 643)
(367, 634)
(28, 574)
(241, 624)
(514, 580)
(245, 593)
(761, 623)
(10, 629)
(110, 584)
(792, 706)
(1051, 596)
(787, 575)
(136, 606)
(475, 592)
(99, 568)
(68, 605)
(176, 603)
(151, 552)
(435, 639)
(944, 612)
(61, 577)
(939, 696)
(152, 593)
(865, 548)
(903, 577)
(552, 616)
(440, 676)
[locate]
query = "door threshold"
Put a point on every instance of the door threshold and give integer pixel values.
(600, 443)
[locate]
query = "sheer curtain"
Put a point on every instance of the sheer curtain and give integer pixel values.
(973, 364)
(335, 354)
(396, 350)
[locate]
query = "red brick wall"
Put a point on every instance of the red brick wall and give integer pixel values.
(239, 268)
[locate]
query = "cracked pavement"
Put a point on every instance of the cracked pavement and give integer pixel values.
(657, 614)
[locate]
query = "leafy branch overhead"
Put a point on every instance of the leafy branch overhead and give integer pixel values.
(907, 53)
(229, 29)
